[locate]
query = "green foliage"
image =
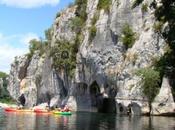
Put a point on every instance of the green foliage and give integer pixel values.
(92, 33)
(95, 18)
(58, 14)
(78, 40)
(144, 8)
(158, 26)
(81, 9)
(64, 56)
(150, 83)
(166, 14)
(4, 94)
(77, 24)
(7, 100)
(48, 34)
(3, 75)
(104, 4)
(136, 3)
(128, 36)
(165, 66)
(93, 29)
(37, 45)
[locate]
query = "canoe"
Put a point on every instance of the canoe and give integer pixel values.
(17, 110)
(42, 111)
(62, 113)
(10, 109)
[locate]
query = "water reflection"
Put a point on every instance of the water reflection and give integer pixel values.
(82, 121)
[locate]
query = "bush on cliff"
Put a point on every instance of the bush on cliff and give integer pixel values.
(104, 4)
(128, 36)
(81, 9)
(64, 56)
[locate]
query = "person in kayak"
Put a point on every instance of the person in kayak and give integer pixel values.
(66, 109)
(21, 101)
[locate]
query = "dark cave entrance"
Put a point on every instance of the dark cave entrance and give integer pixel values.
(108, 106)
(94, 88)
(94, 94)
(103, 105)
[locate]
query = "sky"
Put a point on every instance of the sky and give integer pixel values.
(21, 21)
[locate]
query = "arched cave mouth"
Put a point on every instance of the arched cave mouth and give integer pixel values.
(103, 105)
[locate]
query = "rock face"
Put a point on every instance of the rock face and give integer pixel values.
(104, 78)
(40, 83)
(164, 102)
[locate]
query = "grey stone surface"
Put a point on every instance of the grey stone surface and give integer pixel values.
(164, 102)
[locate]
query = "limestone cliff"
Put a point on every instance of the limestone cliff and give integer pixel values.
(104, 78)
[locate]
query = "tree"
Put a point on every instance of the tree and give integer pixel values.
(4, 94)
(34, 45)
(64, 56)
(48, 34)
(3, 75)
(165, 14)
(150, 83)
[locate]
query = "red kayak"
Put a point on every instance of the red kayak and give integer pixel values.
(10, 109)
(17, 110)
(38, 110)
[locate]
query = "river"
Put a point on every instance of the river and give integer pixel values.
(83, 121)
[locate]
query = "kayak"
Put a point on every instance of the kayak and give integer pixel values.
(62, 113)
(42, 111)
(17, 110)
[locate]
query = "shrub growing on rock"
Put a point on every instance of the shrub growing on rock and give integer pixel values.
(92, 33)
(64, 56)
(104, 4)
(128, 36)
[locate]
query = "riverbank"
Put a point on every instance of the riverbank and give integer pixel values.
(3, 105)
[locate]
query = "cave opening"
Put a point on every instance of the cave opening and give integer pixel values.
(103, 105)
(95, 94)
(108, 106)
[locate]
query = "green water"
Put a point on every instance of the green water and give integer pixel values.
(82, 121)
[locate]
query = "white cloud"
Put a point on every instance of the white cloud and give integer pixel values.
(27, 37)
(7, 55)
(29, 3)
(11, 46)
